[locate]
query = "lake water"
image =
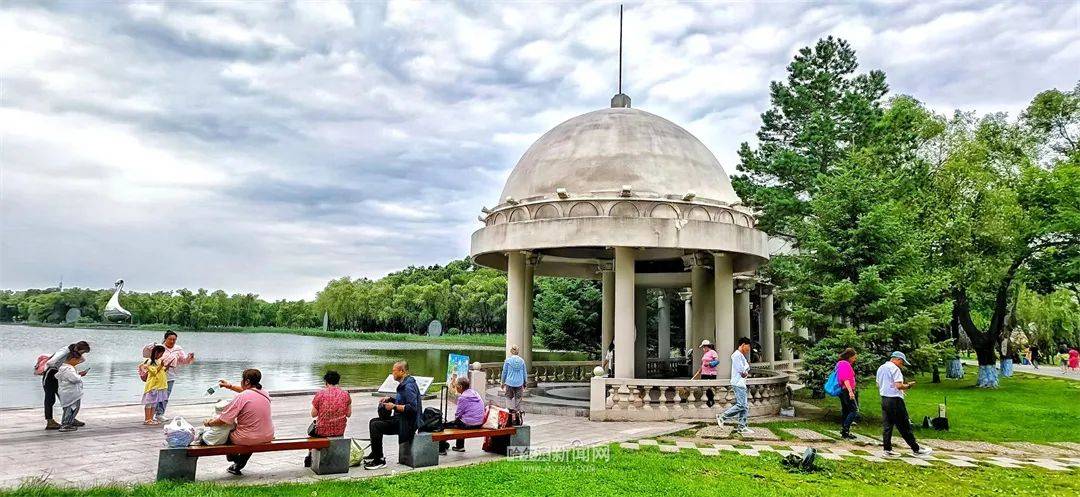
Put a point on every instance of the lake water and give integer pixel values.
(288, 362)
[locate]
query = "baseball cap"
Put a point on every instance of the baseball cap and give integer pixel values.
(704, 343)
(901, 356)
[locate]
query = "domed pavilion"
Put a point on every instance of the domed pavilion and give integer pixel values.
(636, 201)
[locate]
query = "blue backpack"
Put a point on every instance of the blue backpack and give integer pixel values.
(832, 387)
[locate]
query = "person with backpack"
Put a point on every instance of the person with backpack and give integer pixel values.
(844, 389)
(153, 373)
(47, 367)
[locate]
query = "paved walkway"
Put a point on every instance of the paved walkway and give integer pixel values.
(114, 446)
(712, 440)
(1044, 370)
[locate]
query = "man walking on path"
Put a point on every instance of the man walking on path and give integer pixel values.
(891, 386)
(514, 374)
(173, 358)
(740, 370)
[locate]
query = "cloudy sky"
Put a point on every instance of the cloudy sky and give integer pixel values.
(265, 147)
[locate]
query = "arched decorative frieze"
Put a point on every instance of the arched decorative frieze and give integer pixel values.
(698, 213)
(664, 211)
(499, 218)
(624, 209)
(519, 214)
(546, 211)
(725, 217)
(743, 220)
(584, 209)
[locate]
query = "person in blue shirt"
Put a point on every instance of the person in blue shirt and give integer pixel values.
(514, 374)
(398, 415)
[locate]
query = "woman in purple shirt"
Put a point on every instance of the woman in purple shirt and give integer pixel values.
(849, 396)
(469, 414)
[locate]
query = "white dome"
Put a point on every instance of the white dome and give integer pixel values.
(608, 148)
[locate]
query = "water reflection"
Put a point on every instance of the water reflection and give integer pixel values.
(288, 362)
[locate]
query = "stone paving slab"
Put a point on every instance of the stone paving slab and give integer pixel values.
(649, 441)
(1038, 449)
(1075, 447)
(958, 463)
(859, 439)
(683, 444)
(668, 448)
(1050, 464)
(1001, 464)
(974, 447)
(708, 451)
(870, 458)
(830, 456)
(807, 435)
(915, 462)
(714, 431)
(748, 452)
(115, 447)
(629, 445)
(762, 434)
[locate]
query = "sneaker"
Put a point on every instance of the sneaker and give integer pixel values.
(234, 471)
(160, 418)
(442, 451)
(720, 420)
(78, 423)
(368, 457)
(458, 449)
(745, 431)
(51, 425)
(847, 436)
(375, 464)
(924, 452)
(889, 454)
(67, 428)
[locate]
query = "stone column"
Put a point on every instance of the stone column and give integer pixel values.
(788, 355)
(765, 327)
(515, 300)
(641, 321)
(625, 335)
(742, 309)
(663, 339)
(724, 302)
(702, 325)
(688, 320)
(607, 312)
(531, 260)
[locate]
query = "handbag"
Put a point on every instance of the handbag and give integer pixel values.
(312, 429)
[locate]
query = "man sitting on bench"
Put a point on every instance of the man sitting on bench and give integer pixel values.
(398, 415)
(468, 415)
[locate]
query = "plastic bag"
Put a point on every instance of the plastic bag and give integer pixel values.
(357, 451)
(496, 417)
(179, 433)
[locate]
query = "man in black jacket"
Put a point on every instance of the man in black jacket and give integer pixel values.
(398, 415)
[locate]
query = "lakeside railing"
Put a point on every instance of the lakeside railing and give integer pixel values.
(582, 371)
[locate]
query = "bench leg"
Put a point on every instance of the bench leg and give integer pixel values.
(511, 445)
(174, 464)
(420, 453)
(333, 459)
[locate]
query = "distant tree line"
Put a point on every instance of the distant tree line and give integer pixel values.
(464, 297)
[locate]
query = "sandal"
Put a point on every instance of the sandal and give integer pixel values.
(151, 423)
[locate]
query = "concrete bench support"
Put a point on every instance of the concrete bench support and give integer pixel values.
(333, 459)
(174, 464)
(511, 445)
(420, 453)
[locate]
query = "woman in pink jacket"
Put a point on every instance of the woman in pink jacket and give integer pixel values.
(849, 396)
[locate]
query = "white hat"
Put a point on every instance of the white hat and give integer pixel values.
(704, 343)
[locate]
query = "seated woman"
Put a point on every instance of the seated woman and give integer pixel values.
(331, 409)
(250, 412)
(469, 413)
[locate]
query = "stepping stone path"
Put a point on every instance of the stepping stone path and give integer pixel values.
(629, 445)
(649, 441)
(975, 447)
(668, 448)
(1038, 449)
(707, 451)
(859, 439)
(1050, 464)
(714, 431)
(915, 462)
(1075, 447)
(808, 435)
(763, 434)
(958, 463)
(683, 444)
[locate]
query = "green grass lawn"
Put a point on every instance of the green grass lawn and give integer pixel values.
(1025, 408)
(646, 472)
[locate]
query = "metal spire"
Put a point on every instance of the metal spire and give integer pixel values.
(620, 100)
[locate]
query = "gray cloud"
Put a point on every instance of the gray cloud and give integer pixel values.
(268, 147)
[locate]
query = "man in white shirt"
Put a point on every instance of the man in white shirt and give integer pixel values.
(740, 370)
(891, 386)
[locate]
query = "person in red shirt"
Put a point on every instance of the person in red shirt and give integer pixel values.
(331, 409)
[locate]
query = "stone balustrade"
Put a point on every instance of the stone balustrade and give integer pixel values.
(580, 371)
(620, 399)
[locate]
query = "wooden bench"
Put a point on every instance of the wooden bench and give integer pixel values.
(423, 451)
(329, 455)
